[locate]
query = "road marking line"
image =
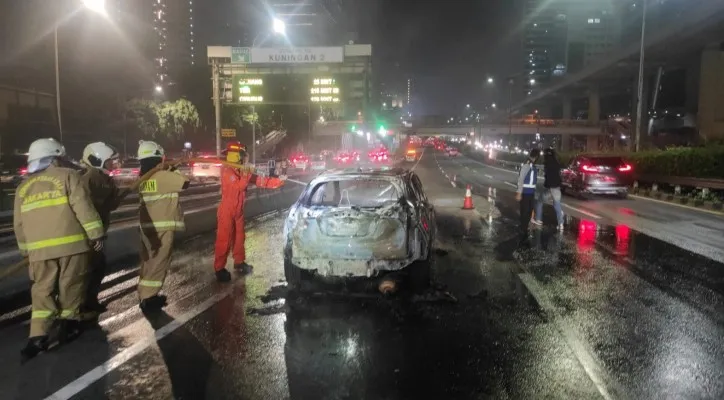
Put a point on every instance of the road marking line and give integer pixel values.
(298, 182)
(582, 211)
(489, 176)
(598, 375)
(714, 212)
(453, 184)
(418, 160)
(92, 376)
(510, 184)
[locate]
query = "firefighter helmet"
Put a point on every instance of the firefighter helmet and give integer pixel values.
(96, 154)
(148, 149)
(42, 148)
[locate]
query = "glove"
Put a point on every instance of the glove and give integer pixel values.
(97, 245)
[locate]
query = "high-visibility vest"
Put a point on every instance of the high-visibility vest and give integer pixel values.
(54, 216)
(530, 181)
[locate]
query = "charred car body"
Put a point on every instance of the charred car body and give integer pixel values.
(354, 223)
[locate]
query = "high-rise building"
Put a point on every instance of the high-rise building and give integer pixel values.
(163, 30)
(544, 42)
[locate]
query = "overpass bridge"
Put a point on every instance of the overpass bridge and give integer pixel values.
(693, 41)
(557, 127)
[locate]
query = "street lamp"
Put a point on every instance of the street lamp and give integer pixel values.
(493, 105)
(158, 89)
(640, 92)
(490, 80)
(98, 6)
(467, 105)
(279, 26)
(532, 81)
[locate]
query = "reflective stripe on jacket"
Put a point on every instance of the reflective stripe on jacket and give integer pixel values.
(528, 178)
(159, 196)
(54, 216)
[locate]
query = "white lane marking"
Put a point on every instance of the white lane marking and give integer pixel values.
(510, 184)
(489, 176)
(124, 356)
(592, 215)
(600, 378)
(298, 182)
(714, 212)
(453, 184)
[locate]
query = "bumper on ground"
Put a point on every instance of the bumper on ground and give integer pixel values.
(349, 267)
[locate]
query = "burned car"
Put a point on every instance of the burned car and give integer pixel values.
(358, 223)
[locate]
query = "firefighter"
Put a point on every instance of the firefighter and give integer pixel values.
(160, 216)
(56, 227)
(230, 215)
(100, 159)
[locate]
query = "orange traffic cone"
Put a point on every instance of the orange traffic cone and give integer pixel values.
(468, 203)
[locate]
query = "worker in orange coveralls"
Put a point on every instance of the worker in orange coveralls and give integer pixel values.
(230, 216)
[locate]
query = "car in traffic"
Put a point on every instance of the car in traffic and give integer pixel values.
(129, 171)
(346, 158)
(452, 151)
(13, 168)
(411, 155)
(203, 171)
(597, 174)
(299, 161)
(359, 223)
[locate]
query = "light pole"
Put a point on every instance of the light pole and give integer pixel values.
(640, 94)
(98, 6)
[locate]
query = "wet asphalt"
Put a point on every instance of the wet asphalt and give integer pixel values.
(605, 309)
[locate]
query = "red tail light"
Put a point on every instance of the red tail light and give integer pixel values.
(115, 172)
(23, 171)
(625, 168)
(136, 171)
(217, 165)
(589, 168)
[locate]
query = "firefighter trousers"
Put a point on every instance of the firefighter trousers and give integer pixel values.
(156, 250)
(96, 274)
(58, 291)
(229, 234)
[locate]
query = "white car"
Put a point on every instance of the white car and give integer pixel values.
(452, 152)
(206, 171)
(352, 223)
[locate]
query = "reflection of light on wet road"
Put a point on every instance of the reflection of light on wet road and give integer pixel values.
(623, 238)
(584, 245)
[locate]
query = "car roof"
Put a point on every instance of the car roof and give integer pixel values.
(372, 172)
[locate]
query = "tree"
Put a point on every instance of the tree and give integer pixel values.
(176, 118)
(143, 116)
(164, 122)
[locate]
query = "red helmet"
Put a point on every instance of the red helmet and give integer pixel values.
(235, 146)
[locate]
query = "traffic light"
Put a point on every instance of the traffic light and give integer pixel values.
(353, 128)
(382, 131)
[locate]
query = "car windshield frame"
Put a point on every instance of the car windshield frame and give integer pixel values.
(346, 201)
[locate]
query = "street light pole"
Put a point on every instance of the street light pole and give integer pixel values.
(253, 134)
(217, 105)
(510, 112)
(640, 95)
(57, 84)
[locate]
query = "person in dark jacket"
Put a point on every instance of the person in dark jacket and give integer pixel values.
(551, 188)
(525, 193)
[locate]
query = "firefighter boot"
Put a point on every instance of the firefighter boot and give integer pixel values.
(244, 268)
(223, 275)
(153, 304)
(69, 331)
(35, 346)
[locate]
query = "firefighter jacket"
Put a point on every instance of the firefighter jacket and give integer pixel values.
(159, 196)
(235, 182)
(104, 193)
(54, 216)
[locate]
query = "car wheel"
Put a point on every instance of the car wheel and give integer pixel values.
(623, 195)
(293, 274)
(420, 273)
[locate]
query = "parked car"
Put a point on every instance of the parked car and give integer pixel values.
(452, 152)
(590, 175)
(129, 171)
(356, 223)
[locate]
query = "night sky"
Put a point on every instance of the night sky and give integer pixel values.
(449, 48)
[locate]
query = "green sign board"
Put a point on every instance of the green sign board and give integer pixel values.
(240, 55)
(247, 89)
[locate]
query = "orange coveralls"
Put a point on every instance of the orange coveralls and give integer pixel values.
(230, 216)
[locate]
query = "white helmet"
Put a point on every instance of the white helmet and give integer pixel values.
(43, 148)
(148, 149)
(96, 154)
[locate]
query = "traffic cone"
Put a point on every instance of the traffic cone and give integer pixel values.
(468, 203)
